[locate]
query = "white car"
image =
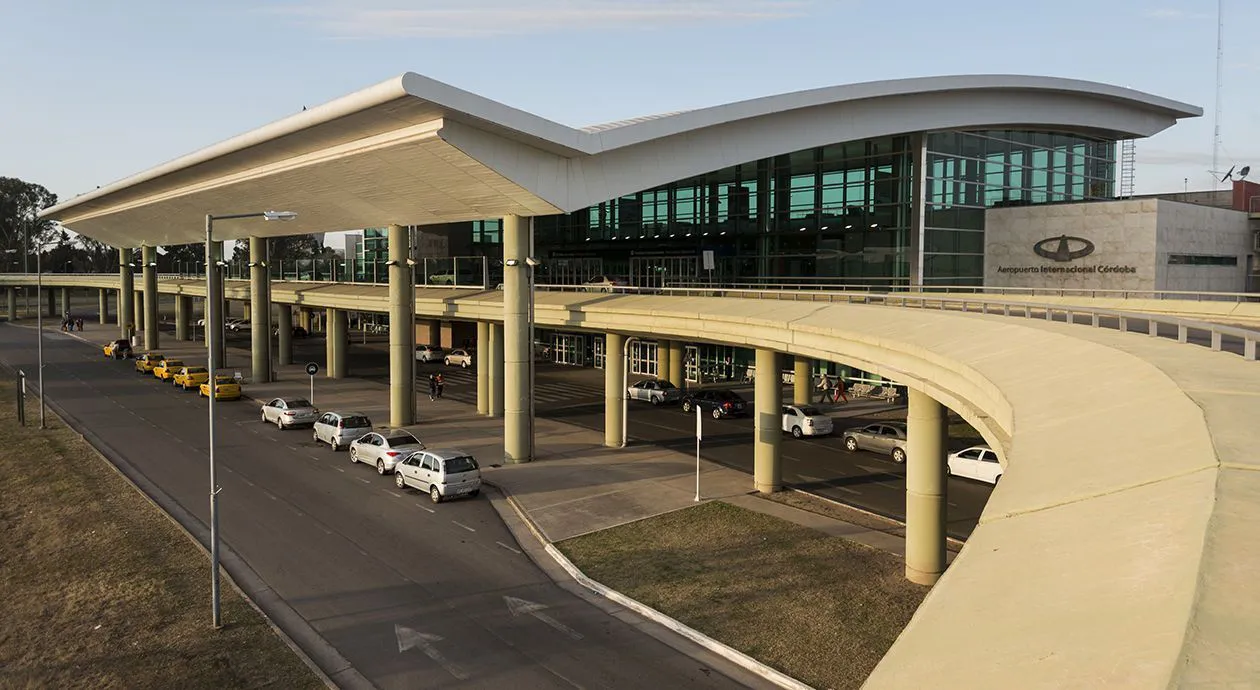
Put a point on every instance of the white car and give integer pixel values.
(429, 353)
(238, 325)
(459, 358)
(977, 462)
(383, 449)
(603, 284)
(654, 391)
(340, 429)
(804, 420)
(442, 473)
(289, 412)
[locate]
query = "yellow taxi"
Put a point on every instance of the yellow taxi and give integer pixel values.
(147, 361)
(189, 378)
(116, 349)
(226, 388)
(166, 368)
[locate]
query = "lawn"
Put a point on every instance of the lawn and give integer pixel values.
(819, 608)
(101, 590)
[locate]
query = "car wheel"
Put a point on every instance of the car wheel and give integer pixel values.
(899, 455)
(315, 436)
(434, 494)
(263, 415)
(687, 406)
(279, 424)
(399, 481)
(464, 365)
(716, 413)
(850, 444)
(656, 401)
(948, 472)
(796, 432)
(447, 361)
(474, 493)
(380, 467)
(332, 443)
(354, 455)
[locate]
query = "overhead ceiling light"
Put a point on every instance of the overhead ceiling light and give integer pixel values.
(279, 215)
(824, 227)
(848, 227)
(874, 225)
(722, 233)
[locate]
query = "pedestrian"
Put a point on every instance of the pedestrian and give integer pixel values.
(838, 391)
(432, 387)
(79, 322)
(823, 387)
(441, 383)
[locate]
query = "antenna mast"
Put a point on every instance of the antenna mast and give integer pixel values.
(1220, 81)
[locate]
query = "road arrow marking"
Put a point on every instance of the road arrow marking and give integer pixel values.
(522, 606)
(410, 639)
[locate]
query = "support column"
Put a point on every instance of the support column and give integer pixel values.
(483, 367)
(11, 303)
(496, 370)
(768, 425)
(102, 305)
(925, 489)
(663, 360)
(183, 315)
(284, 339)
(65, 301)
(802, 386)
(215, 306)
(402, 330)
(149, 257)
(614, 388)
(52, 303)
(138, 311)
(259, 312)
(677, 374)
(339, 342)
(517, 386)
(126, 295)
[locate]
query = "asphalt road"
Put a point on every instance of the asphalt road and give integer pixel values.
(414, 595)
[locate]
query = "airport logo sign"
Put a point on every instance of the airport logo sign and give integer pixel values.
(1064, 248)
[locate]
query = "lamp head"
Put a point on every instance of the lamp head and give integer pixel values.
(531, 261)
(279, 215)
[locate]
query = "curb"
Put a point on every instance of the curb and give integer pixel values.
(731, 654)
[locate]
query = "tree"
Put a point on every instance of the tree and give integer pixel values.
(287, 248)
(20, 203)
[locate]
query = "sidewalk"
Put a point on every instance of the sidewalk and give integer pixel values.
(574, 486)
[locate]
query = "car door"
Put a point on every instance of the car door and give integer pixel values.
(410, 469)
(370, 448)
(965, 463)
(429, 471)
(269, 409)
(988, 468)
(321, 426)
(789, 418)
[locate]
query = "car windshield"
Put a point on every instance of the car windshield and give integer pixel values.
(401, 439)
(299, 403)
(198, 370)
(357, 422)
(810, 411)
(224, 379)
(462, 463)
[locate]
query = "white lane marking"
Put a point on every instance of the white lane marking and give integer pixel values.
(520, 607)
(410, 639)
(516, 551)
(248, 482)
(951, 504)
(463, 525)
(339, 469)
(316, 457)
(363, 480)
(271, 497)
(395, 495)
(421, 505)
(294, 449)
(299, 513)
(326, 531)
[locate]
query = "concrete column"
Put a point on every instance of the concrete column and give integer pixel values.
(339, 338)
(402, 332)
(138, 311)
(126, 295)
(925, 489)
(149, 257)
(52, 303)
(663, 360)
(215, 306)
(183, 316)
(11, 303)
(517, 386)
(65, 300)
(614, 388)
(802, 386)
(768, 425)
(483, 367)
(677, 374)
(328, 349)
(496, 370)
(102, 305)
(284, 326)
(260, 311)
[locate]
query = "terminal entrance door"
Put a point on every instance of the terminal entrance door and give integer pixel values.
(597, 351)
(570, 349)
(661, 271)
(691, 364)
(643, 358)
(575, 271)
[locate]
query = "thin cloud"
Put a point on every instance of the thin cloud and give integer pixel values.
(345, 19)
(1170, 13)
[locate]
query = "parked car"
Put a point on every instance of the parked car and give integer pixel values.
(459, 358)
(238, 325)
(118, 349)
(148, 360)
(977, 462)
(289, 412)
(603, 284)
(297, 332)
(340, 429)
(165, 369)
(225, 388)
(429, 353)
(442, 473)
(805, 420)
(654, 391)
(189, 378)
(884, 437)
(384, 449)
(718, 402)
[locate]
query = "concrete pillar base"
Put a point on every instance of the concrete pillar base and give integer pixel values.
(768, 424)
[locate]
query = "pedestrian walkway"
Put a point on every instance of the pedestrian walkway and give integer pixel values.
(574, 486)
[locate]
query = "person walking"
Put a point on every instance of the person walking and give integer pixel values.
(432, 387)
(823, 387)
(441, 383)
(838, 391)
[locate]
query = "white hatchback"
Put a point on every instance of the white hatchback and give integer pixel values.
(339, 429)
(443, 473)
(804, 420)
(383, 449)
(429, 353)
(977, 462)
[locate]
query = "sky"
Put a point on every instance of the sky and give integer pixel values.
(92, 92)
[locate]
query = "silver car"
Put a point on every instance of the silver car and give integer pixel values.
(340, 429)
(882, 437)
(442, 473)
(289, 412)
(654, 391)
(383, 449)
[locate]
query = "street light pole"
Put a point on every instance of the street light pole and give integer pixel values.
(39, 329)
(214, 303)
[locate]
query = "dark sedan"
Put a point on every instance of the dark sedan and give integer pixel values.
(717, 402)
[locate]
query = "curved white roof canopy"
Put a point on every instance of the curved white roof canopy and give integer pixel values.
(415, 151)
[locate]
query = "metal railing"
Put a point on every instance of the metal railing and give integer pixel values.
(457, 271)
(1093, 293)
